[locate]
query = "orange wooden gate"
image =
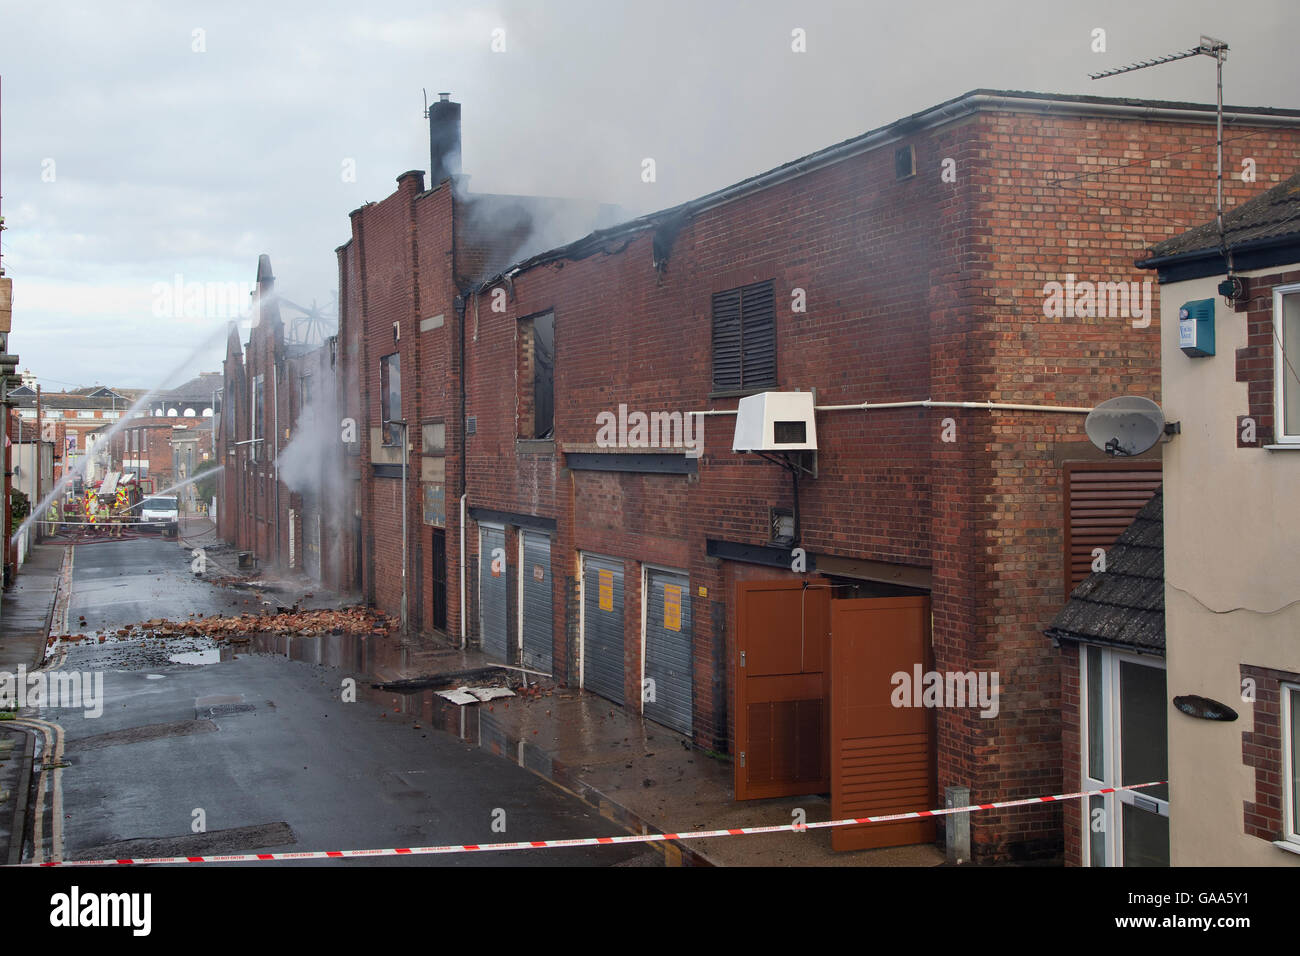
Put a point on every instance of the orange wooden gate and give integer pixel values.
(781, 718)
(881, 756)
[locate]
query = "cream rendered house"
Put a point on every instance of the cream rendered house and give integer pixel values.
(1230, 352)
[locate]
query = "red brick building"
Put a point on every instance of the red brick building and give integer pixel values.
(144, 447)
(287, 491)
(979, 252)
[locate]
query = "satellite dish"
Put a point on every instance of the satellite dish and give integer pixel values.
(1124, 426)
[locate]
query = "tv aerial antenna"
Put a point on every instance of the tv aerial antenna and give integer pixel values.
(1218, 49)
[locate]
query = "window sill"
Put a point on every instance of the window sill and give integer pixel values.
(535, 446)
(1290, 446)
(1288, 846)
(743, 392)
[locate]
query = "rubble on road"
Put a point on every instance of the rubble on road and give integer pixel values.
(355, 621)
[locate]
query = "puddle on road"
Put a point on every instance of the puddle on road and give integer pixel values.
(210, 656)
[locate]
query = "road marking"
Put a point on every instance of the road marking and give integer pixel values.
(51, 778)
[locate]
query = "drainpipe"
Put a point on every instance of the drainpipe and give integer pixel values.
(406, 440)
(462, 571)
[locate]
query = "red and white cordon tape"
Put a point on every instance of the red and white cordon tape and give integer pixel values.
(592, 841)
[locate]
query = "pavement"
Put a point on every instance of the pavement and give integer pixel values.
(28, 606)
(640, 775)
(26, 611)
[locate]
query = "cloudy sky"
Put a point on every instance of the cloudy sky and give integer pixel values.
(146, 141)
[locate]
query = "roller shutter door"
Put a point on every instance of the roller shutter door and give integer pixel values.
(668, 658)
(535, 578)
(492, 593)
(602, 626)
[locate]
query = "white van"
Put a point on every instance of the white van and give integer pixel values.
(160, 512)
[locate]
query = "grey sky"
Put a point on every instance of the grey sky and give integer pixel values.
(168, 161)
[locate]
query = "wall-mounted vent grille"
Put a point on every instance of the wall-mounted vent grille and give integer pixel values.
(789, 433)
(471, 425)
(905, 162)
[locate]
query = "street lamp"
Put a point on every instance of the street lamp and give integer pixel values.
(402, 423)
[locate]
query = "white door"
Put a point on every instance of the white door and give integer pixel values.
(1124, 741)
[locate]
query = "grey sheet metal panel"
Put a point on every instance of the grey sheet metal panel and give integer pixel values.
(492, 595)
(668, 651)
(536, 575)
(311, 544)
(602, 627)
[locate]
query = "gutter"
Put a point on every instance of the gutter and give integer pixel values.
(1212, 253)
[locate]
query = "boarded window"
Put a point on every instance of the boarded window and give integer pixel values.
(1101, 500)
(744, 338)
(544, 375)
(439, 579)
(433, 438)
(259, 392)
(390, 397)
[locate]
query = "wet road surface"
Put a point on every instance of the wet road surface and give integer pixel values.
(262, 750)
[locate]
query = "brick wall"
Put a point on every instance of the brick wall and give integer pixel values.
(982, 511)
(395, 276)
(1255, 362)
(1261, 749)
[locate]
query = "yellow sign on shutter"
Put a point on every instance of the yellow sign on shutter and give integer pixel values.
(606, 590)
(672, 607)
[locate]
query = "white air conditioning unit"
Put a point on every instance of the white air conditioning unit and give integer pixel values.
(775, 421)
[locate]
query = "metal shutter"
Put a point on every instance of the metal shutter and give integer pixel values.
(536, 577)
(492, 595)
(1101, 499)
(758, 335)
(311, 544)
(668, 658)
(602, 627)
(726, 341)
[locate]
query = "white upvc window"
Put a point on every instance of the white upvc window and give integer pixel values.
(1286, 364)
(1291, 763)
(1123, 741)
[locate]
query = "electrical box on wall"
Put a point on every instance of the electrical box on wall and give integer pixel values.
(775, 421)
(1196, 328)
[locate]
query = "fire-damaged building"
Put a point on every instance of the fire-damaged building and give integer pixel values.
(287, 491)
(787, 468)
